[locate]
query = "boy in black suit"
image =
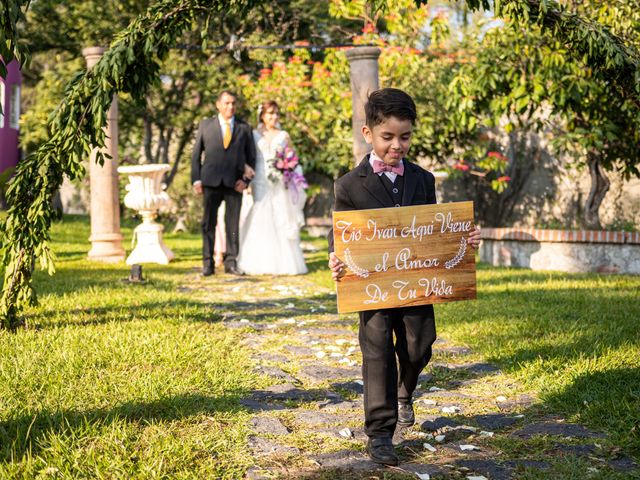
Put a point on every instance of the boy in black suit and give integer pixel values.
(383, 179)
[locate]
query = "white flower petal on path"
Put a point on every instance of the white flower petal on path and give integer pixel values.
(501, 398)
(484, 433)
(468, 447)
(428, 446)
(451, 409)
(332, 348)
(436, 389)
(304, 332)
(289, 305)
(321, 354)
(341, 341)
(476, 477)
(350, 351)
(423, 476)
(244, 320)
(346, 433)
(288, 321)
(439, 438)
(235, 289)
(335, 354)
(426, 401)
(518, 416)
(359, 382)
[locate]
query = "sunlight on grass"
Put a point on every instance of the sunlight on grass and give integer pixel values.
(115, 380)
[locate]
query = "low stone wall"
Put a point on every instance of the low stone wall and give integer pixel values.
(563, 250)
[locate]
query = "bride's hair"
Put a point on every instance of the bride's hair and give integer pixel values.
(264, 106)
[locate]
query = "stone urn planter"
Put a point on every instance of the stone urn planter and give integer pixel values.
(145, 194)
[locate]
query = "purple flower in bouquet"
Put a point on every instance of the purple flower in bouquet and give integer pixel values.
(287, 164)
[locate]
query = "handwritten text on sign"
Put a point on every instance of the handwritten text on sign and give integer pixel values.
(398, 257)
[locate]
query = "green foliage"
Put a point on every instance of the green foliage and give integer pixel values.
(11, 47)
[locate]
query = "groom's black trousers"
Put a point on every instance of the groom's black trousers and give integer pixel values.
(212, 198)
(385, 382)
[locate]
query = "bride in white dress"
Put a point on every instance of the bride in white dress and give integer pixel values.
(270, 233)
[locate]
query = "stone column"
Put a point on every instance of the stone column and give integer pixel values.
(364, 80)
(106, 239)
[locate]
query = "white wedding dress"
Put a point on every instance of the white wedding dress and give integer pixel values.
(270, 232)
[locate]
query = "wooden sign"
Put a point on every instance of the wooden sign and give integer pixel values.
(406, 256)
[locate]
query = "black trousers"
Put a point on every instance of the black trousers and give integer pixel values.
(212, 198)
(386, 382)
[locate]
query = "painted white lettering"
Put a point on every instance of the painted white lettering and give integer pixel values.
(382, 267)
(432, 287)
(401, 285)
(406, 261)
(447, 225)
(375, 294)
(348, 235)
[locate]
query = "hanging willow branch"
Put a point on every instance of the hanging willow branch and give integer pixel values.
(11, 13)
(132, 65)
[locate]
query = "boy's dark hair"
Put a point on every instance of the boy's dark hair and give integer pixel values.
(389, 102)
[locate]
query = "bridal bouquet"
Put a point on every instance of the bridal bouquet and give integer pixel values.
(287, 166)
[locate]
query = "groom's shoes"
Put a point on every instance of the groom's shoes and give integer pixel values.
(207, 271)
(381, 451)
(406, 415)
(233, 270)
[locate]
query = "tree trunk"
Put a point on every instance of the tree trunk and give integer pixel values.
(599, 188)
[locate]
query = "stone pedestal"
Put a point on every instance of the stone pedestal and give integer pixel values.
(106, 239)
(145, 195)
(363, 62)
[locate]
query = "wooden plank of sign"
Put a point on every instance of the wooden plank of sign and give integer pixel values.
(405, 256)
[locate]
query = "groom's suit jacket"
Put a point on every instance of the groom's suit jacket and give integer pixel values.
(221, 167)
(361, 189)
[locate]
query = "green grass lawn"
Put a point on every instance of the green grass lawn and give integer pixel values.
(109, 380)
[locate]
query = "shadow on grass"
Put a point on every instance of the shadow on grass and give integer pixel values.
(28, 433)
(177, 309)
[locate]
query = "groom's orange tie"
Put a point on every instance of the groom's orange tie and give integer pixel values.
(227, 134)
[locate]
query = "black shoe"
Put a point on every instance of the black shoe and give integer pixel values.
(406, 416)
(233, 270)
(381, 450)
(207, 271)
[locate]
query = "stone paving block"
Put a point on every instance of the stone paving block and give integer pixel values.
(488, 468)
(300, 351)
(345, 460)
(338, 406)
(516, 403)
(270, 357)
(323, 331)
(494, 421)
(321, 418)
(623, 464)
(268, 425)
(322, 373)
(576, 450)
(263, 447)
(350, 386)
(275, 372)
(287, 391)
(436, 422)
(557, 429)
(259, 406)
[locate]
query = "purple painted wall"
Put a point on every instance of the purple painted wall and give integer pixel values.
(9, 96)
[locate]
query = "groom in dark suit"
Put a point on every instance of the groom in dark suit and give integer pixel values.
(225, 171)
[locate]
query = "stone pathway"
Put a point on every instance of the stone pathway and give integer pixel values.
(473, 421)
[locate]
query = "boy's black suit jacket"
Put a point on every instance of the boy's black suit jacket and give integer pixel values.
(361, 189)
(220, 166)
